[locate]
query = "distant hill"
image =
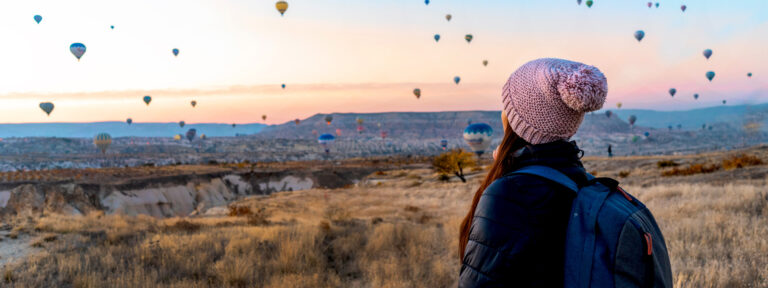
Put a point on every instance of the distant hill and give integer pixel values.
(693, 119)
(121, 129)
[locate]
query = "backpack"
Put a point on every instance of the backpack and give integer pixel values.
(612, 238)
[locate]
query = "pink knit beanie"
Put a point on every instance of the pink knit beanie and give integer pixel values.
(546, 99)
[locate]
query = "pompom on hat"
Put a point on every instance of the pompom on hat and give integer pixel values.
(546, 99)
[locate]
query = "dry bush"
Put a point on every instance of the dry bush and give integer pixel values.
(454, 162)
(692, 169)
(666, 163)
(624, 174)
(741, 161)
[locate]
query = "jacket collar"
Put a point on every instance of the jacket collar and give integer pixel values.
(559, 153)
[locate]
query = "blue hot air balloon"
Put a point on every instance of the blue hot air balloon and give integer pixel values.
(426, 2)
(696, 96)
(707, 53)
(47, 107)
(112, 27)
(608, 113)
(672, 91)
(710, 75)
(129, 121)
(147, 99)
(191, 134)
(175, 51)
(444, 144)
(283, 85)
(437, 37)
(38, 18)
(478, 137)
(77, 49)
(456, 80)
(182, 123)
(639, 35)
(647, 134)
(326, 140)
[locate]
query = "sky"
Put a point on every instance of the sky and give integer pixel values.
(360, 56)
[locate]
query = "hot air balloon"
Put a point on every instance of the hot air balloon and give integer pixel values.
(281, 6)
(578, 2)
(657, 4)
(338, 132)
(683, 8)
(650, 4)
(47, 107)
(129, 121)
(181, 124)
(384, 134)
(359, 121)
(724, 102)
(234, 125)
(448, 17)
(437, 37)
(608, 113)
(707, 53)
(672, 92)
(102, 141)
(710, 75)
(417, 92)
(696, 96)
(647, 134)
(360, 127)
(282, 85)
(38, 18)
(147, 99)
(326, 140)
(444, 144)
(669, 127)
(426, 2)
(112, 27)
(193, 103)
(589, 3)
(203, 137)
(77, 49)
(635, 138)
(264, 117)
(485, 62)
(177, 137)
(478, 137)
(456, 80)
(618, 105)
(468, 37)
(639, 35)
(175, 51)
(749, 74)
(297, 121)
(191, 134)
(632, 119)
(328, 119)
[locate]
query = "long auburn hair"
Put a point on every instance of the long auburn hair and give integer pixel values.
(501, 165)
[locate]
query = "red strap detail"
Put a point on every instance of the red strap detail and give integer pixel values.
(649, 243)
(624, 193)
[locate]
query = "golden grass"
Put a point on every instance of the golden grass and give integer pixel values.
(369, 236)
(692, 169)
(741, 161)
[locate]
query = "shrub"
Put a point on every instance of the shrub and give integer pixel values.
(666, 163)
(691, 170)
(741, 161)
(624, 174)
(454, 162)
(443, 177)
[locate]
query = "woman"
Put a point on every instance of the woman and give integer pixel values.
(514, 233)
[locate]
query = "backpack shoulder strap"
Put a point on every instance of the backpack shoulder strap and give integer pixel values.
(548, 173)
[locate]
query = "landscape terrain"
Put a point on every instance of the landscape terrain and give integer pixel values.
(388, 221)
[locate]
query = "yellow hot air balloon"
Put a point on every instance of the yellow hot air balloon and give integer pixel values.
(177, 137)
(102, 141)
(281, 7)
(618, 105)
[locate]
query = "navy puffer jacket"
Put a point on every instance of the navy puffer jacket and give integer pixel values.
(517, 237)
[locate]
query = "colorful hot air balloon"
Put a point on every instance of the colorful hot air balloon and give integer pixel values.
(485, 62)
(683, 8)
(417, 92)
(203, 137)
(147, 99)
(696, 96)
(281, 6)
(102, 141)
(328, 119)
(578, 2)
(282, 85)
(672, 92)
(338, 132)
(632, 119)
(77, 49)
(384, 134)
(749, 74)
(608, 113)
(297, 121)
(707, 53)
(478, 137)
(129, 121)
(618, 105)
(47, 107)
(468, 37)
(444, 144)
(175, 51)
(38, 18)
(193, 103)
(437, 37)
(326, 140)
(639, 35)
(650, 4)
(456, 80)
(589, 3)
(710, 75)
(264, 117)
(448, 17)
(359, 121)
(191, 134)
(181, 124)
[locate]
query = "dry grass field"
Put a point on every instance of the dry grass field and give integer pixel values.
(394, 229)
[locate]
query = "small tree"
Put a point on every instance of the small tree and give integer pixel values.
(454, 162)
